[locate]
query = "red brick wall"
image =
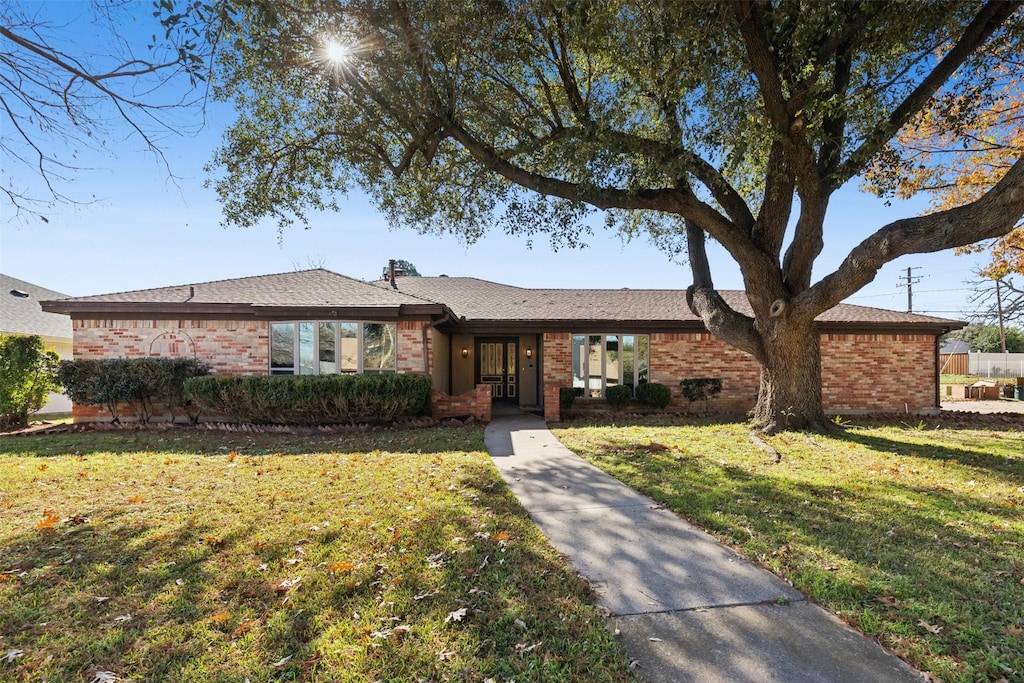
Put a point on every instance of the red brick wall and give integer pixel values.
(557, 357)
(410, 346)
(860, 372)
(476, 402)
(700, 354)
(229, 346)
(878, 372)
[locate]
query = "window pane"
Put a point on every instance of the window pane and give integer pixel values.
(305, 348)
(628, 363)
(349, 347)
(512, 358)
(612, 371)
(579, 370)
(594, 379)
(325, 335)
(642, 361)
(378, 347)
(282, 347)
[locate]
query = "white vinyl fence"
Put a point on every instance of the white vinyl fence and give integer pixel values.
(996, 364)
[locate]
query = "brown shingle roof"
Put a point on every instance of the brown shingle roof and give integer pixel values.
(480, 300)
(305, 288)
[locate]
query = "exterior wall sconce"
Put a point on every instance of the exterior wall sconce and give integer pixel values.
(529, 353)
(465, 353)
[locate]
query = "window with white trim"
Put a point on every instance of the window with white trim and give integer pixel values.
(600, 361)
(330, 347)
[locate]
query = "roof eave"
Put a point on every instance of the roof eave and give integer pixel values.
(220, 311)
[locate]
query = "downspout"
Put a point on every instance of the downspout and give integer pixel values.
(938, 372)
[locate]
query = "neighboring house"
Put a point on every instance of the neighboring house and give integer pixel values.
(20, 313)
(480, 339)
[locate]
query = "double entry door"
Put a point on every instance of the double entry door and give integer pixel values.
(497, 365)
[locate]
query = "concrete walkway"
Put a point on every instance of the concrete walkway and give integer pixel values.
(686, 607)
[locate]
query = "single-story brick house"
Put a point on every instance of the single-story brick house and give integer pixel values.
(483, 341)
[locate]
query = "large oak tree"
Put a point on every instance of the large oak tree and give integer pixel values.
(734, 121)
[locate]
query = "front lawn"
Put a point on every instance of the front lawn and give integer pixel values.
(914, 535)
(190, 556)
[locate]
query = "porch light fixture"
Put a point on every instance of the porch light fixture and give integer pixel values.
(465, 353)
(529, 353)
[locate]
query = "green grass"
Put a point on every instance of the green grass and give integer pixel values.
(913, 535)
(957, 379)
(190, 556)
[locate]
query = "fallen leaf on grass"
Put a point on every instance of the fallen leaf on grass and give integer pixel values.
(342, 567)
(122, 618)
(520, 623)
(219, 617)
(12, 655)
(457, 615)
(136, 499)
(654, 640)
(49, 522)
(105, 677)
(281, 662)
(283, 586)
(931, 628)
(243, 627)
(889, 601)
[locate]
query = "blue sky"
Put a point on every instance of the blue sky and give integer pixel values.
(146, 229)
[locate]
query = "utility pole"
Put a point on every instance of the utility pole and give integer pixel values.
(911, 280)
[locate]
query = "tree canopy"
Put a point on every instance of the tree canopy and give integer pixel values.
(734, 121)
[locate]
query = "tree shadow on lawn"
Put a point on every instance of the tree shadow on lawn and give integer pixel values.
(159, 593)
(187, 441)
(886, 556)
(1012, 466)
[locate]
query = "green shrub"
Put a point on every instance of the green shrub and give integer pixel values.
(619, 396)
(312, 399)
(699, 388)
(566, 397)
(654, 395)
(147, 384)
(28, 373)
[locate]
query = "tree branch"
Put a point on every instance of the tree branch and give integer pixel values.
(981, 28)
(993, 215)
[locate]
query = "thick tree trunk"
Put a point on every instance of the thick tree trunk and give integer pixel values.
(790, 392)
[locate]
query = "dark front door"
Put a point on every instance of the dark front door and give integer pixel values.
(497, 366)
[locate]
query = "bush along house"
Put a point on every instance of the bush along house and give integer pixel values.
(484, 343)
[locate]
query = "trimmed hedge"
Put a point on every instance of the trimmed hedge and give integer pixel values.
(699, 388)
(619, 396)
(566, 397)
(149, 385)
(312, 399)
(654, 395)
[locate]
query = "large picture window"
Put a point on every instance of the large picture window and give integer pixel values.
(600, 361)
(332, 347)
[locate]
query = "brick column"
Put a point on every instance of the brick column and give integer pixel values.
(483, 403)
(552, 408)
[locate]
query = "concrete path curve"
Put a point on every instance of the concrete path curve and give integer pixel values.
(686, 607)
